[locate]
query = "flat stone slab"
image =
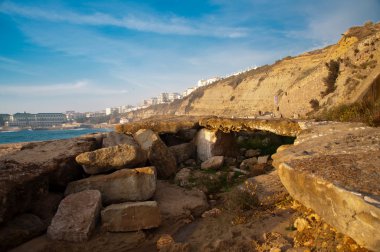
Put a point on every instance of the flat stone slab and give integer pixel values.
(131, 216)
(284, 127)
(76, 217)
(123, 185)
(333, 168)
(160, 124)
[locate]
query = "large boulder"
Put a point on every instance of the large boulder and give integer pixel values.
(131, 216)
(214, 143)
(159, 154)
(27, 174)
(76, 217)
(124, 185)
(115, 157)
(333, 168)
(183, 152)
(19, 230)
(178, 204)
(113, 138)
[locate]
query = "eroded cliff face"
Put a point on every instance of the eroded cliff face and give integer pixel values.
(294, 81)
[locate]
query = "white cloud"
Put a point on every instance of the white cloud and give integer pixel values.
(81, 87)
(135, 21)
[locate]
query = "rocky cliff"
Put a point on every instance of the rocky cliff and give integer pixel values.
(343, 73)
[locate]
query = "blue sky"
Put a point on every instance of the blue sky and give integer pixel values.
(89, 55)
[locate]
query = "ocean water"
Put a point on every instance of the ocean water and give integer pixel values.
(43, 135)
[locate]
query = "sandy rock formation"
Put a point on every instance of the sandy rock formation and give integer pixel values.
(76, 217)
(27, 174)
(115, 157)
(131, 216)
(333, 169)
(124, 185)
(159, 154)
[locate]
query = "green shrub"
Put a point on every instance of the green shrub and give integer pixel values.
(314, 104)
(355, 112)
(333, 67)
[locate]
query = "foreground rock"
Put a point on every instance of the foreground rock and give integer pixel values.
(215, 162)
(115, 157)
(178, 205)
(268, 188)
(131, 216)
(76, 217)
(124, 185)
(27, 174)
(333, 169)
(159, 154)
(214, 143)
(21, 229)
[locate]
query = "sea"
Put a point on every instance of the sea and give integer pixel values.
(44, 135)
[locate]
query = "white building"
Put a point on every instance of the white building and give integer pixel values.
(174, 96)
(162, 98)
(189, 91)
(110, 111)
(202, 83)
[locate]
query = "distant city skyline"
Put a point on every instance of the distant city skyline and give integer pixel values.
(60, 55)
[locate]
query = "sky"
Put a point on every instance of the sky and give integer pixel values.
(88, 55)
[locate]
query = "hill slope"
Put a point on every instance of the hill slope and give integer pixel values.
(346, 72)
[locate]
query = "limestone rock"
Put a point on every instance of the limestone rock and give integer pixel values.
(214, 143)
(124, 185)
(27, 174)
(162, 124)
(131, 216)
(268, 188)
(283, 127)
(262, 159)
(115, 157)
(212, 163)
(159, 154)
(165, 240)
(183, 152)
(19, 230)
(114, 138)
(333, 169)
(177, 203)
(182, 177)
(212, 213)
(76, 217)
(247, 164)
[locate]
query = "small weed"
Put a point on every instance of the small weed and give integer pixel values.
(314, 104)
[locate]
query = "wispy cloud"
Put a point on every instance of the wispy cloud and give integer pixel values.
(135, 21)
(81, 87)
